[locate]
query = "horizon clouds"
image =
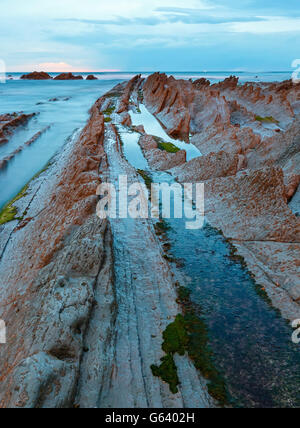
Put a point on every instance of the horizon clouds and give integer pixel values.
(148, 36)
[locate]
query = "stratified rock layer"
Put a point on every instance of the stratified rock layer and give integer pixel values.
(249, 137)
(85, 309)
(10, 122)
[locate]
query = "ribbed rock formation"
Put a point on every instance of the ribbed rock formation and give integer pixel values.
(85, 306)
(9, 122)
(157, 158)
(249, 136)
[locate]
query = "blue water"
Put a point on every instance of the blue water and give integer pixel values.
(251, 342)
(214, 76)
(153, 127)
(64, 116)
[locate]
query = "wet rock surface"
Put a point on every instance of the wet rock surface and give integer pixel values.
(158, 158)
(249, 136)
(85, 306)
(10, 122)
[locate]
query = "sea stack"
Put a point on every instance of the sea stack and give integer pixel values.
(36, 75)
(68, 76)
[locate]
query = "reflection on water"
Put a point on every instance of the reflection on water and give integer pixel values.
(132, 150)
(153, 127)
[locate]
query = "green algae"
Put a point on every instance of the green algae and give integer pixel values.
(109, 111)
(188, 333)
(167, 371)
(168, 147)
(267, 119)
(9, 212)
(146, 177)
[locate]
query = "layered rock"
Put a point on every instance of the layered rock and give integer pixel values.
(86, 322)
(214, 165)
(48, 291)
(157, 158)
(125, 94)
(4, 161)
(249, 136)
(252, 206)
(10, 122)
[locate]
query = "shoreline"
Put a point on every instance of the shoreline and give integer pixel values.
(61, 263)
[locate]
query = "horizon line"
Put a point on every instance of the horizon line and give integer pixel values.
(155, 71)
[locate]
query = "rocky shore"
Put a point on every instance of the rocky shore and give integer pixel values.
(249, 137)
(10, 122)
(84, 306)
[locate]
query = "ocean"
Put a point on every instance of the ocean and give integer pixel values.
(63, 106)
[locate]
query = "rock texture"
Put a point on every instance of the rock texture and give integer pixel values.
(214, 165)
(10, 122)
(160, 159)
(85, 310)
(47, 291)
(36, 75)
(68, 76)
(249, 136)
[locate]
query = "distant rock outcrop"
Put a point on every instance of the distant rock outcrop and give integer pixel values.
(68, 76)
(91, 77)
(36, 75)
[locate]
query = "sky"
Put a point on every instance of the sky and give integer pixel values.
(149, 35)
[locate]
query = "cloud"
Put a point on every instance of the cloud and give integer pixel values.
(198, 16)
(170, 34)
(167, 15)
(58, 66)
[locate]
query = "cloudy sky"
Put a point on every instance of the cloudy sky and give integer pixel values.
(148, 35)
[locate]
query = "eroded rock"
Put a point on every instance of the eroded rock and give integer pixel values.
(36, 75)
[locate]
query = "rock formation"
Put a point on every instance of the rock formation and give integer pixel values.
(9, 122)
(36, 75)
(68, 76)
(158, 158)
(85, 307)
(91, 77)
(67, 293)
(249, 136)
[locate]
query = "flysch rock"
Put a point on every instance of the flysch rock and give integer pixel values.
(84, 309)
(158, 159)
(249, 136)
(49, 274)
(146, 302)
